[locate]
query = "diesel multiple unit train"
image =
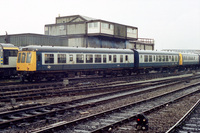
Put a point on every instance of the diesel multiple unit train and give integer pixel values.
(54, 63)
(8, 54)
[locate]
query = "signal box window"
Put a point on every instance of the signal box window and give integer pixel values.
(97, 58)
(114, 58)
(49, 58)
(79, 58)
(23, 57)
(19, 58)
(89, 58)
(61, 58)
(28, 58)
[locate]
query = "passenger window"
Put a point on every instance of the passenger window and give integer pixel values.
(104, 59)
(176, 58)
(70, 57)
(160, 58)
(114, 58)
(163, 58)
(79, 58)
(172, 58)
(110, 57)
(97, 58)
(146, 58)
(23, 57)
(89, 58)
(121, 58)
(150, 58)
(126, 57)
(167, 58)
(61, 58)
(28, 57)
(19, 58)
(49, 58)
(157, 58)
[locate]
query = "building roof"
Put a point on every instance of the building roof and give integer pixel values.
(87, 18)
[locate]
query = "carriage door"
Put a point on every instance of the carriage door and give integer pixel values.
(5, 57)
(180, 59)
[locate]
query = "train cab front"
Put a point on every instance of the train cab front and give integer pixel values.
(26, 63)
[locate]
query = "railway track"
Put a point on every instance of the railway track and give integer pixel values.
(105, 121)
(190, 122)
(46, 112)
(86, 102)
(38, 91)
(27, 91)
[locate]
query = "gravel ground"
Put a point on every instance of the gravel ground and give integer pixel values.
(157, 120)
(161, 120)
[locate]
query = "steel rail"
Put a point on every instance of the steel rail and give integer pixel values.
(181, 122)
(88, 101)
(57, 91)
(113, 117)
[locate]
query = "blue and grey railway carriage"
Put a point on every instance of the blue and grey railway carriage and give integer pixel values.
(38, 62)
(8, 54)
(190, 61)
(146, 61)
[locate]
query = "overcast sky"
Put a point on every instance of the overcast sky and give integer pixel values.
(171, 23)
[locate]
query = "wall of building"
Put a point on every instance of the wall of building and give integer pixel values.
(35, 39)
(77, 42)
(56, 30)
(74, 29)
(118, 31)
(103, 42)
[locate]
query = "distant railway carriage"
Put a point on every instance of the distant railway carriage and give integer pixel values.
(199, 59)
(37, 62)
(8, 55)
(146, 61)
(190, 59)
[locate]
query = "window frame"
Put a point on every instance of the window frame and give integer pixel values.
(51, 59)
(61, 58)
